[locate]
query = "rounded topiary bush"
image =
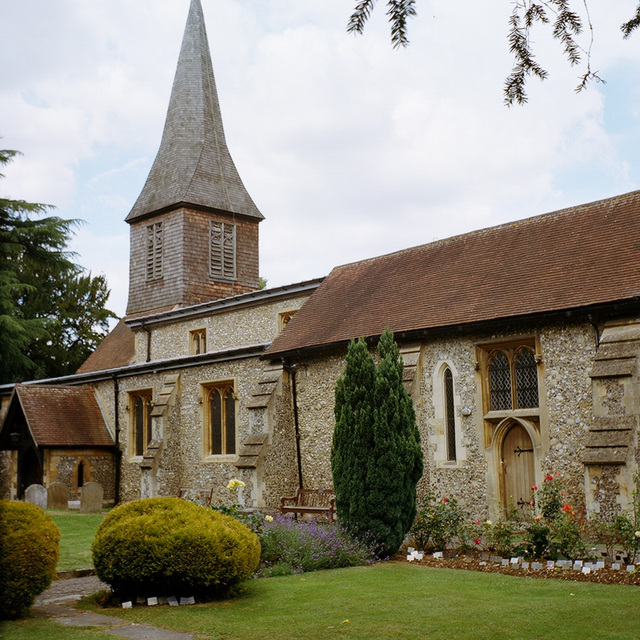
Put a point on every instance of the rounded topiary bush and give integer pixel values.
(164, 546)
(29, 549)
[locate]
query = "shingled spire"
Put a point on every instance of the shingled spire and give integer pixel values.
(193, 165)
(194, 227)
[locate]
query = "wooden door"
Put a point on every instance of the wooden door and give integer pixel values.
(517, 467)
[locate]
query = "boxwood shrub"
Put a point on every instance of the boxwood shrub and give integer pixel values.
(165, 546)
(29, 549)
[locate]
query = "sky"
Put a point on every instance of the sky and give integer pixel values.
(350, 148)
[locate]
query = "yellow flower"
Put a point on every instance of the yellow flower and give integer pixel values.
(235, 483)
(269, 518)
(489, 522)
(345, 622)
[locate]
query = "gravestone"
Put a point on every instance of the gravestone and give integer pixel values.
(36, 494)
(91, 498)
(58, 496)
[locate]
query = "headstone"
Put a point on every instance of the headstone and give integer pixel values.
(173, 601)
(505, 562)
(536, 566)
(600, 564)
(410, 550)
(189, 600)
(586, 570)
(58, 496)
(410, 557)
(152, 602)
(36, 494)
(631, 568)
(162, 600)
(525, 564)
(127, 605)
(437, 554)
(577, 565)
(91, 498)
(615, 566)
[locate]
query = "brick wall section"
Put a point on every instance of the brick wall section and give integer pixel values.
(186, 278)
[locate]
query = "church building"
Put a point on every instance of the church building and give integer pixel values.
(520, 344)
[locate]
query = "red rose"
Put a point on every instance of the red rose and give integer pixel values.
(549, 478)
(476, 540)
(533, 487)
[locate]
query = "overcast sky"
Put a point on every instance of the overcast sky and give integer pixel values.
(350, 148)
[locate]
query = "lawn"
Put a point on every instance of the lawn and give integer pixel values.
(77, 531)
(390, 600)
(399, 600)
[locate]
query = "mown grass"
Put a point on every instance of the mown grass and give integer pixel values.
(42, 629)
(77, 531)
(394, 600)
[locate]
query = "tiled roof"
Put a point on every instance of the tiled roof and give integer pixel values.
(193, 165)
(62, 416)
(116, 350)
(585, 255)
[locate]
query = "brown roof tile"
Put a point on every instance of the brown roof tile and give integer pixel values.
(63, 416)
(585, 255)
(116, 350)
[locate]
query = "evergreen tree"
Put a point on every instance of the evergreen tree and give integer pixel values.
(43, 292)
(376, 456)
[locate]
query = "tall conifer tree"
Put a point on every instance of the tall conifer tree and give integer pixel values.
(376, 456)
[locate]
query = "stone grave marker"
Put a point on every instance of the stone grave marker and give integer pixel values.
(36, 494)
(58, 496)
(91, 498)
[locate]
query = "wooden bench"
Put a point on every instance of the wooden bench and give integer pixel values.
(312, 501)
(204, 496)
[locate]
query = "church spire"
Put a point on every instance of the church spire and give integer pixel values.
(193, 165)
(194, 228)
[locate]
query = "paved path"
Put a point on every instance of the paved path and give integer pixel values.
(56, 603)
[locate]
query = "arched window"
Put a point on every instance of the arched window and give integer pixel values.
(140, 403)
(449, 415)
(221, 419)
(80, 474)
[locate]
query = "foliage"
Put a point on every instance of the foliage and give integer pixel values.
(565, 24)
(169, 545)
(52, 315)
(438, 523)
(298, 546)
(29, 542)
(376, 458)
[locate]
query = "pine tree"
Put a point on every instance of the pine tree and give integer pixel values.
(52, 315)
(376, 456)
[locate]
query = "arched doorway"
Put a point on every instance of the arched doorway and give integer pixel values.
(29, 470)
(517, 462)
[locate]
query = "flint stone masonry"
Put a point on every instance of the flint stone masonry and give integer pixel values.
(36, 494)
(58, 496)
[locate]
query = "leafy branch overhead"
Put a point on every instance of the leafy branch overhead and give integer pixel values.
(566, 25)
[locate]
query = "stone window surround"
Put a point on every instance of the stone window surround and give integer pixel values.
(131, 440)
(439, 406)
(205, 389)
(197, 341)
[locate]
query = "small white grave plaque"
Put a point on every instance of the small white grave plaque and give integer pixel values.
(152, 602)
(173, 601)
(127, 605)
(189, 600)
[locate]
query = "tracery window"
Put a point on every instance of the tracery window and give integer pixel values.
(154, 251)
(140, 407)
(513, 378)
(220, 422)
(222, 250)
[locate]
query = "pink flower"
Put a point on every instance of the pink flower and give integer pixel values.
(478, 522)
(531, 502)
(476, 540)
(533, 487)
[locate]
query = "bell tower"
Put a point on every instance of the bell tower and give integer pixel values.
(194, 226)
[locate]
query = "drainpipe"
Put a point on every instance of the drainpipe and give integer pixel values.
(292, 370)
(116, 395)
(148, 340)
